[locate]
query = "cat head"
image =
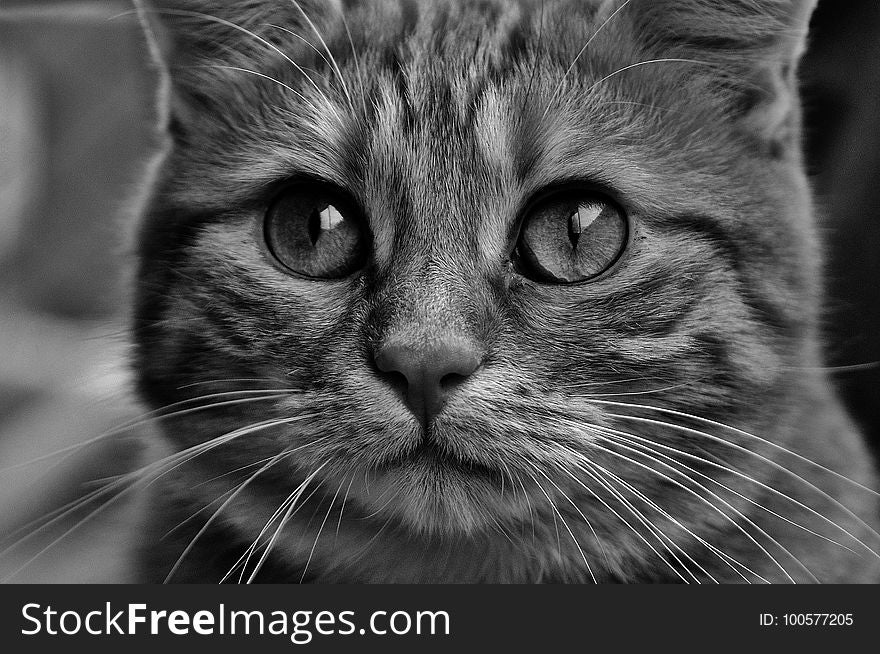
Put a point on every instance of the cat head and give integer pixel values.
(468, 238)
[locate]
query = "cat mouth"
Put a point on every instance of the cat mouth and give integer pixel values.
(429, 490)
(431, 458)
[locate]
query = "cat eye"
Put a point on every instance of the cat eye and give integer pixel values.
(314, 231)
(571, 237)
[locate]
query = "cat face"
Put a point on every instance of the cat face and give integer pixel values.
(475, 246)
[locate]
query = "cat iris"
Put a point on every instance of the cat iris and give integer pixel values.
(571, 237)
(315, 231)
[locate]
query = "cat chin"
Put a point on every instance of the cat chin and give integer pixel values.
(429, 496)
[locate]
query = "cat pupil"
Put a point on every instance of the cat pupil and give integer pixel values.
(323, 220)
(581, 220)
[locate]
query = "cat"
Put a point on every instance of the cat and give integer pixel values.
(486, 291)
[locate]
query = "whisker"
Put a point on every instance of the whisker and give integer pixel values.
(253, 72)
(319, 53)
(342, 509)
(741, 432)
(770, 462)
(580, 53)
(140, 478)
(712, 506)
(329, 53)
(515, 481)
(357, 66)
(362, 552)
(320, 529)
(384, 506)
(611, 382)
(620, 517)
(580, 513)
(237, 491)
(646, 63)
(79, 503)
(652, 445)
(55, 516)
(528, 506)
(651, 391)
(567, 527)
(245, 556)
(646, 105)
(853, 367)
(284, 520)
(197, 513)
(656, 532)
(201, 449)
(292, 510)
(231, 472)
(233, 380)
(284, 509)
(149, 417)
(260, 39)
(728, 560)
(724, 557)
(664, 540)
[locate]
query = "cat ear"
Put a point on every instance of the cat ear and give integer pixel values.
(193, 30)
(752, 48)
(199, 44)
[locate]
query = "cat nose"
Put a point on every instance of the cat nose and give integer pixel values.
(430, 372)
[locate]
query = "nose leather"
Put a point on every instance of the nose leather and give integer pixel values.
(430, 371)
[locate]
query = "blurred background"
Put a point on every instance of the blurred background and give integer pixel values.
(76, 108)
